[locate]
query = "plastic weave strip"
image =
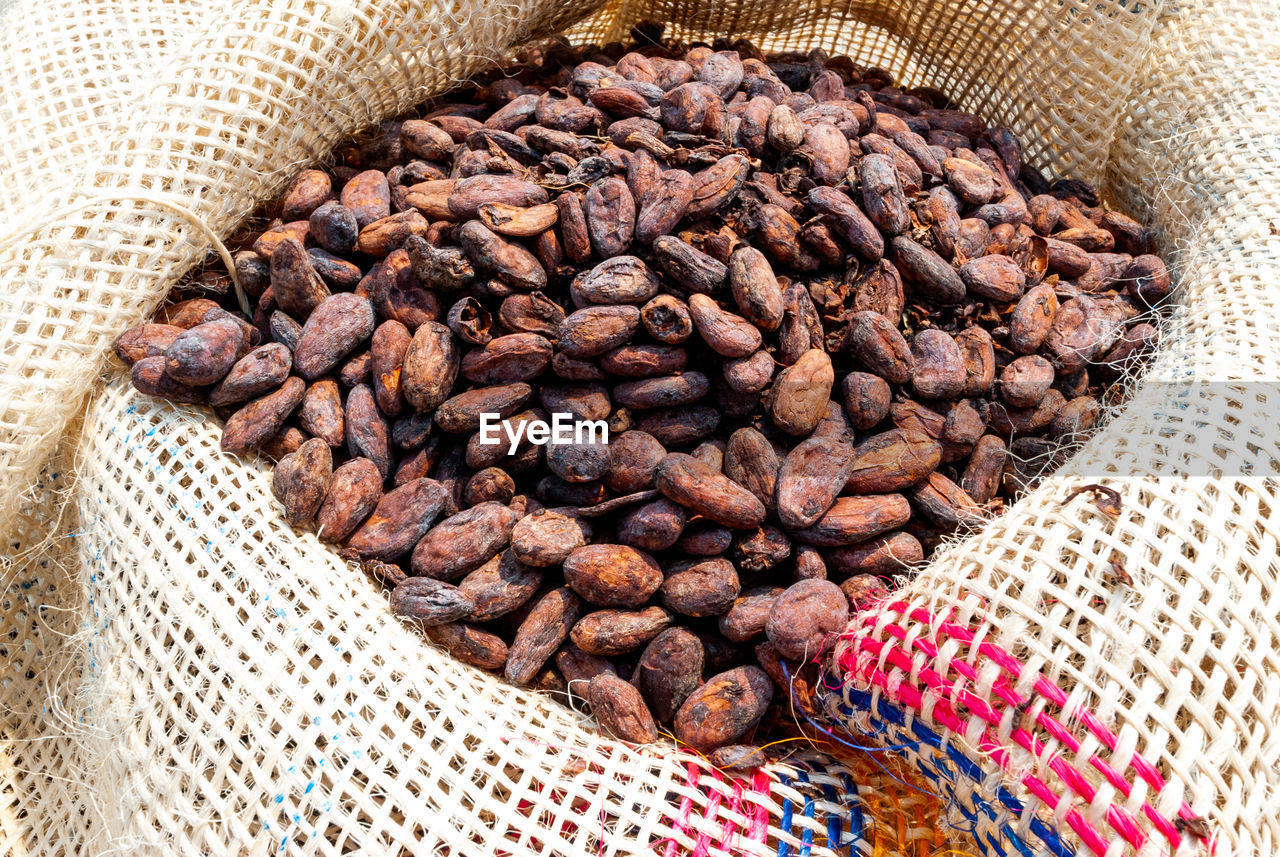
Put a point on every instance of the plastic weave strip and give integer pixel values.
(887, 679)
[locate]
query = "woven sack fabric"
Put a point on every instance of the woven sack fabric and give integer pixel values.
(185, 674)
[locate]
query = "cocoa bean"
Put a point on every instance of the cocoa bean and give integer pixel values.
(258, 421)
(353, 494)
(805, 618)
(401, 518)
(547, 538)
(301, 480)
(469, 644)
(499, 586)
(332, 331)
(669, 669)
(811, 477)
(854, 519)
(725, 709)
(463, 542)
(618, 632)
(429, 602)
(694, 485)
(886, 555)
(700, 589)
(260, 371)
(543, 630)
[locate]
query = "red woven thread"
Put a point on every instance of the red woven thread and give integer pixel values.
(738, 805)
(860, 661)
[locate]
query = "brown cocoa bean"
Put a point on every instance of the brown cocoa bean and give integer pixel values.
(469, 644)
(938, 366)
(429, 602)
(620, 710)
(866, 399)
(811, 477)
(945, 504)
(666, 318)
(644, 361)
(301, 480)
(874, 342)
(401, 518)
(204, 354)
(389, 233)
(463, 542)
(1032, 319)
(367, 433)
(654, 526)
(610, 213)
(547, 538)
(884, 555)
(540, 633)
(508, 359)
(747, 619)
(689, 268)
(508, 261)
(500, 586)
(779, 236)
(470, 193)
(618, 632)
(847, 221)
(1025, 381)
(531, 313)
(462, 412)
(717, 186)
(258, 372)
(612, 575)
(336, 328)
(694, 485)
(145, 340)
(928, 272)
(882, 195)
(353, 494)
(725, 709)
(703, 539)
(805, 618)
(801, 392)
(667, 391)
(854, 519)
(999, 278)
(669, 669)
(368, 196)
(982, 474)
(594, 330)
(620, 280)
(1147, 279)
(755, 289)
(664, 206)
(259, 421)
(700, 589)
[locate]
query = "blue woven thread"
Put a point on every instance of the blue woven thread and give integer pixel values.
(783, 848)
(965, 767)
(806, 835)
(857, 823)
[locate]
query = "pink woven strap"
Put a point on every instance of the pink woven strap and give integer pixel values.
(889, 662)
(730, 831)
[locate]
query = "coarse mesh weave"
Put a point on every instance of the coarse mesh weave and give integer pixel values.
(185, 674)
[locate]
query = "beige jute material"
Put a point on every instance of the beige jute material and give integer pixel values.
(183, 674)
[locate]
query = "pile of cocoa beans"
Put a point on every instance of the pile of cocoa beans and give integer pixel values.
(826, 321)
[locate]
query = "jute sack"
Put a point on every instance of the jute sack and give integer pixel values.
(184, 674)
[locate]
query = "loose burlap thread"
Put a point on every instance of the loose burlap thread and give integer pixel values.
(185, 674)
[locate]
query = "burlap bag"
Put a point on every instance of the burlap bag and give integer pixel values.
(183, 674)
